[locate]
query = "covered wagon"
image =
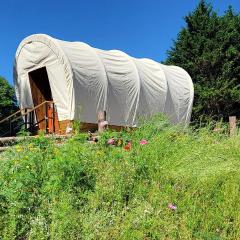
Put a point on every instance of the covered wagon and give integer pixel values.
(82, 80)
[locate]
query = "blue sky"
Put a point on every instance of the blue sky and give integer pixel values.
(141, 28)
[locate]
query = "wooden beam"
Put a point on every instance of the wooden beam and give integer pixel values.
(232, 125)
(6, 141)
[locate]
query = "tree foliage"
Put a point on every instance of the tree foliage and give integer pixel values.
(208, 47)
(7, 102)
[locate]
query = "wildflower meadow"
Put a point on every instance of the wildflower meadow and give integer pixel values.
(154, 182)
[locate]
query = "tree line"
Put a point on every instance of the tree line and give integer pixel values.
(8, 103)
(208, 47)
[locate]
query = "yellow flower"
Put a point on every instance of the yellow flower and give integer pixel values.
(55, 150)
(18, 148)
(99, 153)
(30, 146)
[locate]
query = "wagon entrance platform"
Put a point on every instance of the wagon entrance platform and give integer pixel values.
(41, 117)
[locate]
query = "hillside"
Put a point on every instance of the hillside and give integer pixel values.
(165, 184)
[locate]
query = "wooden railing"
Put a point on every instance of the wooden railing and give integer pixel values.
(28, 114)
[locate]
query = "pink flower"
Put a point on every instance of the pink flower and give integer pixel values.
(111, 141)
(143, 142)
(172, 207)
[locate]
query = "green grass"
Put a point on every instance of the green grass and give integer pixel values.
(96, 191)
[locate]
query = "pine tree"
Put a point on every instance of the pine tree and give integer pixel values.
(209, 49)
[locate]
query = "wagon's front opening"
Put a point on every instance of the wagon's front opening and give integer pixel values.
(45, 115)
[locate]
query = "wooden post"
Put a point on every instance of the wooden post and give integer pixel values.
(232, 125)
(10, 127)
(25, 119)
(46, 118)
(102, 123)
(53, 116)
(31, 116)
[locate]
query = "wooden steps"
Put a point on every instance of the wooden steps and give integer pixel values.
(7, 142)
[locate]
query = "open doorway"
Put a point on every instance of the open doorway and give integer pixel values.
(46, 116)
(40, 86)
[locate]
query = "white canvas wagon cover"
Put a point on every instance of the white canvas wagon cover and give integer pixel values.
(85, 80)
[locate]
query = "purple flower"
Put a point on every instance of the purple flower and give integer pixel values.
(143, 142)
(172, 207)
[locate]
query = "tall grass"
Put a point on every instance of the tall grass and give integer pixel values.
(98, 191)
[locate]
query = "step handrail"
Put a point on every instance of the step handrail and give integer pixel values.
(5, 119)
(33, 109)
(27, 112)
